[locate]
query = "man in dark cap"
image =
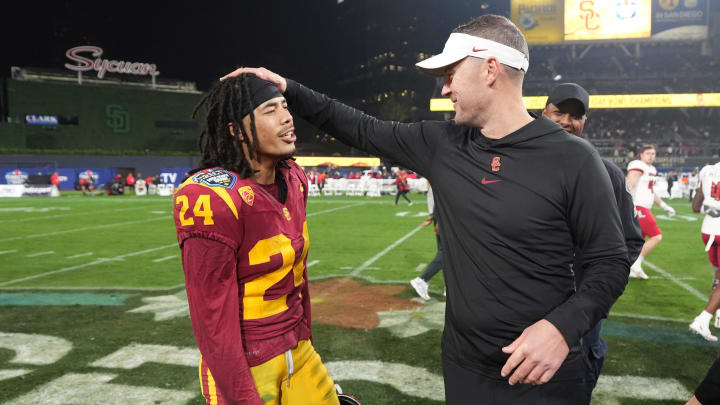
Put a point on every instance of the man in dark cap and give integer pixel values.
(567, 105)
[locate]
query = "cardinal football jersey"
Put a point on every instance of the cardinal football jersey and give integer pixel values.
(270, 241)
(643, 194)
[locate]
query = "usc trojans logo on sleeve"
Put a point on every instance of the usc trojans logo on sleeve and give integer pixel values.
(247, 194)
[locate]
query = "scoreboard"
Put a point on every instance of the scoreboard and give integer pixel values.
(562, 21)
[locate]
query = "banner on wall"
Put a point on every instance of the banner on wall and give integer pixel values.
(678, 100)
(679, 19)
(174, 175)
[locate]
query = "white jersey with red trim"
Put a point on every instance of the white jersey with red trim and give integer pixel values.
(643, 195)
(710, 183)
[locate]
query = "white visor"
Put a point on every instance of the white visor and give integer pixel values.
(458, 46)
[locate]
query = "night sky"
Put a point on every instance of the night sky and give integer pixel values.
(189, 41)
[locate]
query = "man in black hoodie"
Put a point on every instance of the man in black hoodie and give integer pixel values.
(567, 105)
(517, 194)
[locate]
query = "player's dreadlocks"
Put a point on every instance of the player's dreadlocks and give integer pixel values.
(218, 148)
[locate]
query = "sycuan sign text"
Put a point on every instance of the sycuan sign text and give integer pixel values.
(79, 55)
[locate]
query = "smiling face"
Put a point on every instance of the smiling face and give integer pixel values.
(464, 85)
(570, 114)
(275, 130)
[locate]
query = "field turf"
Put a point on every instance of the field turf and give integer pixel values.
(92, 309)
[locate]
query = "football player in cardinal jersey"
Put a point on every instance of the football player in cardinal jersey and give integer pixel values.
(640, 180)
(241, 227)
(707, 201)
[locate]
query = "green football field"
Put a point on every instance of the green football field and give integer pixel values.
(93, 311)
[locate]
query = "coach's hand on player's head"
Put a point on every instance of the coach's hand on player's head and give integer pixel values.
(536, 355)
(261, 73)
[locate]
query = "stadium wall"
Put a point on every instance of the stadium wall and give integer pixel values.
(98, 117)
(147, 165)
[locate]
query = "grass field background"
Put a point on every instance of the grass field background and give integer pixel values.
(72, 268)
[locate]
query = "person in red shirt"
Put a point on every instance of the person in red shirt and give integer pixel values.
(321, 180)
(241, 226)
(402, 187)
(55, 179)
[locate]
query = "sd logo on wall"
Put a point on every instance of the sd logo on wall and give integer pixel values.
(118, 118)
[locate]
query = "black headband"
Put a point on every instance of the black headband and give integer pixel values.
(260, 92)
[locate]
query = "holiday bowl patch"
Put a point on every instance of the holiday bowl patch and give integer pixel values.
(215, 178)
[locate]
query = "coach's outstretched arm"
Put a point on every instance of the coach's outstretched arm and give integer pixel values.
(411, 145)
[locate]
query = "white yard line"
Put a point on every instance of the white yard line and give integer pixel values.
(385, 251)
(80, 255)
(677, 281)
(162, 259)
(648, 317)
(80, 266)
(335, 209)
(83, 213)
(421, 267)
(3, 252)
(48, 252)
(87, 228)
(312, 263)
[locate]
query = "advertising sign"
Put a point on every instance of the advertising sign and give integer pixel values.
(677, 100)
(308, 161)
(32, 119)
(38, 190)
(607, 19)
(16, 177)
(11, 190)
(680, 19)
(174, 175)
(89, 57)
(541, 21)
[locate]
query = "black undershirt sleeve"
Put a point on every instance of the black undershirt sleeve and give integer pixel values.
(595, 224)
(411, 145)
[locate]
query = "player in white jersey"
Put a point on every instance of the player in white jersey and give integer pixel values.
(640, 180)
(693, 183)
(707, 201)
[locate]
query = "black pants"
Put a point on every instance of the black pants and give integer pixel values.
(401, 193)
(595, 348)
(463, 387)
(436, 264)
